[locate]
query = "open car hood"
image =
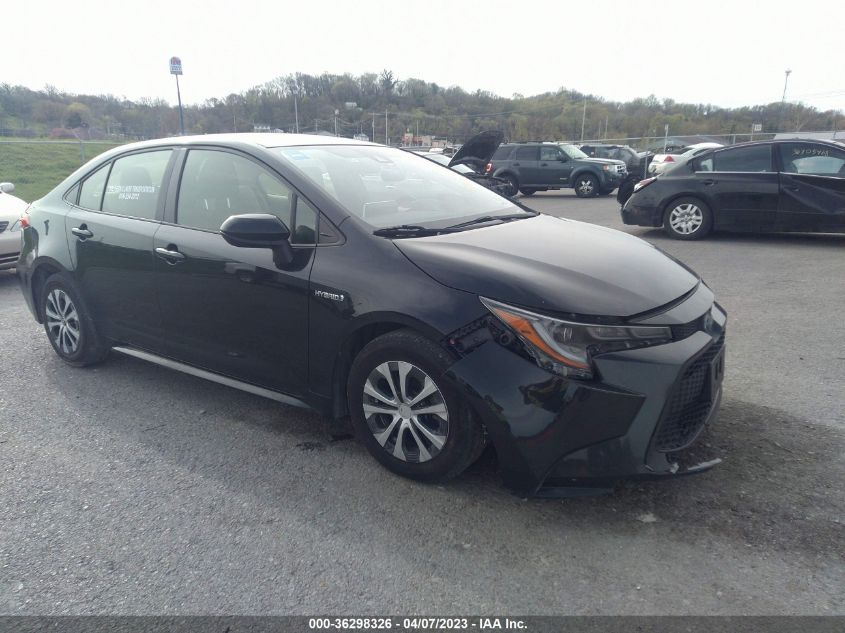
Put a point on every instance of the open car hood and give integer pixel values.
(478, 150)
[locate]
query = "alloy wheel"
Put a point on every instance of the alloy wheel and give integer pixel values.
(62, 321)
(405, 411)
(585, 186)
(686, 218)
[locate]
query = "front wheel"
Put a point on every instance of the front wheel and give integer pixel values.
(406, 413)
(586, 186)
(68, 324)
(688, 219)
(512, 185)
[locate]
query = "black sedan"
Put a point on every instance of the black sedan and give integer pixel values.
(368, 283)
(778, 186)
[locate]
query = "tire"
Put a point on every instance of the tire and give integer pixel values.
(605, 192)
(687, 219)
(527, 192)
(513, 183)
(68, 324)
(429, 447)
(586, 186)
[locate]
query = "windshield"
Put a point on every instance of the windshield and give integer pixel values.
(572, 151)
(388, 187)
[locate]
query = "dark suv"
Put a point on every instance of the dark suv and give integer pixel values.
(632, 158)
(532, 167)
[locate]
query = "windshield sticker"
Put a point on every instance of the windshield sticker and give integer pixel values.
(130, 192)
(802, 152)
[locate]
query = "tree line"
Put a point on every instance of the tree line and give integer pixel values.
(354, 104)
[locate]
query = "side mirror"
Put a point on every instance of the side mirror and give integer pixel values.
(259, 230)
(7, 187)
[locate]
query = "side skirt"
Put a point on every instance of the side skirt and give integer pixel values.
(207, 375)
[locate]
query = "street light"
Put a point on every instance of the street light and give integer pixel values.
(787, 72)
(294, 88)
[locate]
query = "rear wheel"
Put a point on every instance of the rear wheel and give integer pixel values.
(406, 413)
(688, 219)
(512, 183)
(586, 186)
(68, 325)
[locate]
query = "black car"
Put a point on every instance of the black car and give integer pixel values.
(532, 167)
(368, 282)
(779, 186)
(471, 159)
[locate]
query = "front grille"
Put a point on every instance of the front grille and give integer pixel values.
(3, 226)
(9, 258)
(689, 404)
(687, 329)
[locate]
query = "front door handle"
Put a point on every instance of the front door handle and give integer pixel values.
(791, 187)
(82, 232)
(708, 182)
(170, 256)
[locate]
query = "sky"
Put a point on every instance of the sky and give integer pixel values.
(727, 54)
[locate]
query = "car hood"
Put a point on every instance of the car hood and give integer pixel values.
(602, 161)
(554, 265)
(478, 150)
(11, 207)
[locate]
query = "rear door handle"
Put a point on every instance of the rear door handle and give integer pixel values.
(82, 232)
(170, 256)
(708, 182)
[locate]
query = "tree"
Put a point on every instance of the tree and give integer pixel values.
(77, 115)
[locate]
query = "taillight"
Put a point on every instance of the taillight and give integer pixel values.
(643, 183)
(669, 159)
(488, 168)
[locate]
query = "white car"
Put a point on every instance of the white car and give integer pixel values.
(662, 162)
(11, 209)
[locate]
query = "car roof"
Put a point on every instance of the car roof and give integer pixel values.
(250, 138)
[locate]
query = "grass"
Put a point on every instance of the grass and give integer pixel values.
(36, 167)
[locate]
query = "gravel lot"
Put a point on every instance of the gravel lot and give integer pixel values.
(130, 489)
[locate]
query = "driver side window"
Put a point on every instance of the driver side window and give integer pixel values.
(549, 153)
(217, 184)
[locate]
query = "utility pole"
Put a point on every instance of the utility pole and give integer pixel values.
(335, 122)
(295, 91)
(386, 138)
(583, 118)
(787, 72)
(373, 137)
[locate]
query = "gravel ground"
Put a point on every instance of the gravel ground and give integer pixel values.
(131, 489)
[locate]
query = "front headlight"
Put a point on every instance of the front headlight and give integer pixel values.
(567, 348)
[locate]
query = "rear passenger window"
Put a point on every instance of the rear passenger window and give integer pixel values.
(808, 158)
(135, 184)
(91, 194)
(755, 158)
(528, 153)
(502, 153)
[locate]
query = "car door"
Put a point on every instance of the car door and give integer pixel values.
(741, 186)
(812, 187)
(526, 159)
(231, 309)
(552, 169)
(110, 229)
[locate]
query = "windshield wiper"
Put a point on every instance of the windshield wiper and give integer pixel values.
(409, 230)
(491, 218)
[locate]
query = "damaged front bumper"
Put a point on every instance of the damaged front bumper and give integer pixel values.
(560, 437)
